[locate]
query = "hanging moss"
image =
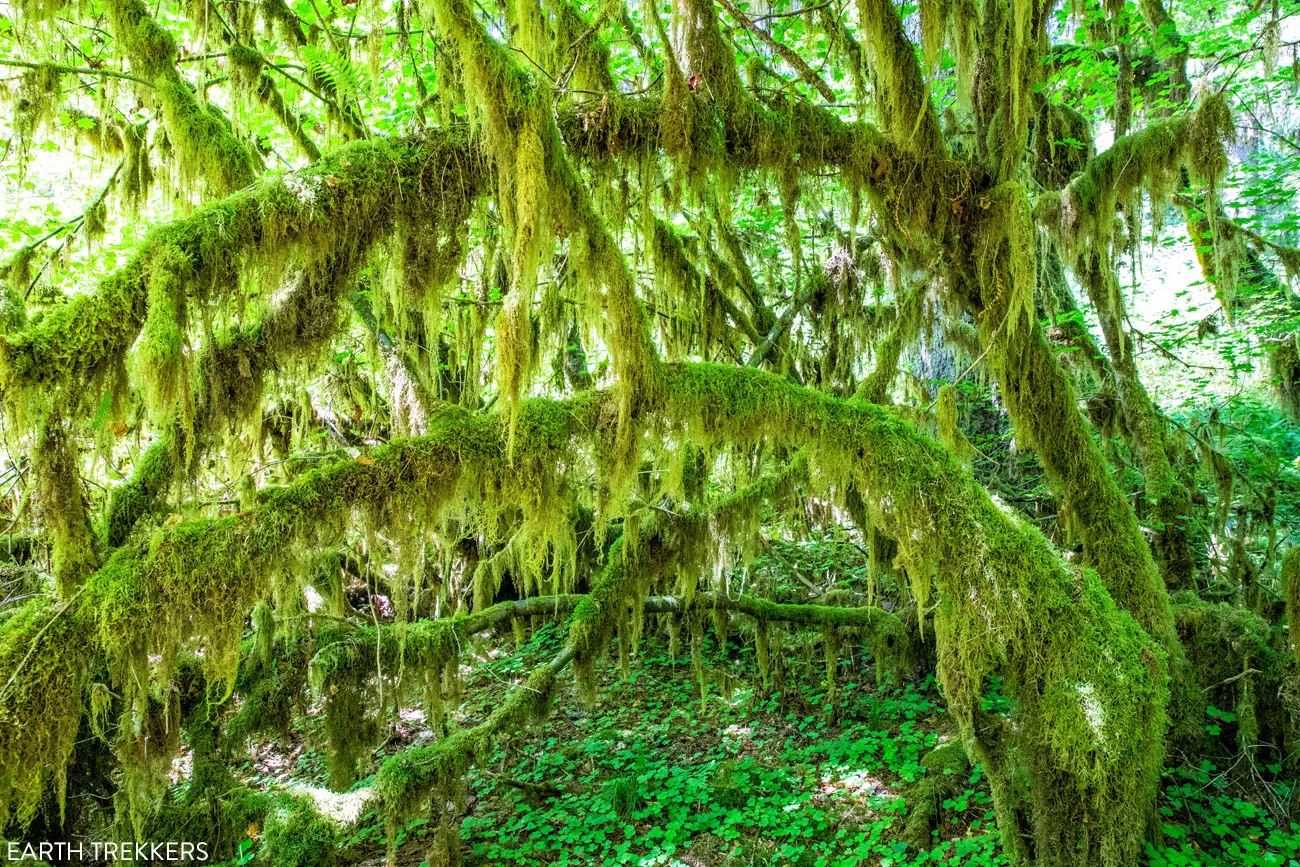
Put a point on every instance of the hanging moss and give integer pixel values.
(155, 470)
(146, 743)
(1170, 501)
(533, 170)
(224, 385)
(161, 356)
(56, 466)
(200, 577)
(46, 651)
(949, 434)
(1210, 129)
(1061, 140)
(907, 325)
(351, 728)
(137, 172)
(901, 91)
(1284, 367)
(35, 102)
(18, 277)
(344, 202)
(205, 142)
(251, 68)
(1148, 159)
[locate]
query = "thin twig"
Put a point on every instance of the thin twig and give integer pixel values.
(75, 70)
(1233, 679)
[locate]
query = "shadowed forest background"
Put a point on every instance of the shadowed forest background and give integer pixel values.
(702, 433)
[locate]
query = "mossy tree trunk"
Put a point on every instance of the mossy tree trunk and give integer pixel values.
(1085, 650)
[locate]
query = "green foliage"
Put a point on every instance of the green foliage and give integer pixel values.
(1205, 823)
(729, 785)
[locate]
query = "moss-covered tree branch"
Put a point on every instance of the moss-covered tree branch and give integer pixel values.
(1171, 503)
(343, 200)
(205, 141)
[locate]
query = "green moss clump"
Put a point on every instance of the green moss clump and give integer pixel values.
(1221, 638)
(296, 835)
(222, 819)
(946, 771)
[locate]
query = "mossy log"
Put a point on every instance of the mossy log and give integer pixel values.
(409, 780)
(947, 771)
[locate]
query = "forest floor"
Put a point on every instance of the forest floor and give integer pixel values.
(654, 776)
